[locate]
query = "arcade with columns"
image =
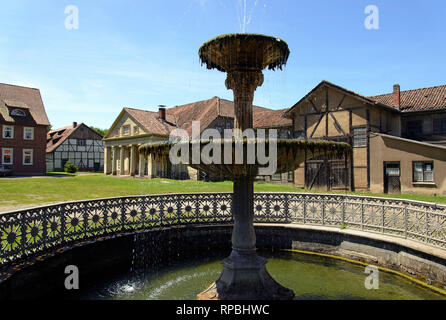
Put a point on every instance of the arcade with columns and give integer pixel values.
(125, 160)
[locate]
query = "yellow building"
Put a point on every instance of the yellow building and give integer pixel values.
(134, 127)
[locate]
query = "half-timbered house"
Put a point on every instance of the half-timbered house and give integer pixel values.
(77, 143)
(398, 139)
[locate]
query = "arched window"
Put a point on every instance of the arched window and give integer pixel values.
(18, 113)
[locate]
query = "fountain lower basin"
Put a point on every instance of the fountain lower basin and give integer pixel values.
(310, 277)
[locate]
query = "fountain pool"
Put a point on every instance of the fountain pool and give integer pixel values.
(311, 277)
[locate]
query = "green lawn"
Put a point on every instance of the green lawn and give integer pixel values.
(17, 193)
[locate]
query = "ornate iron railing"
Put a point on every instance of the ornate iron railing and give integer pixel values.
(34, 231)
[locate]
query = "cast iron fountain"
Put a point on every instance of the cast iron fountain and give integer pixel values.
(243, 57)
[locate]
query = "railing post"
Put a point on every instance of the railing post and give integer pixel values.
(122, 202)
(382, 216)
(323, 210)
(343, 210)
(362, 213)
(62, 222)
(214, 208)
(197, 207)
(45, 228)
(427, 227)
(85, 206)
(406, 221)
(286, 209)
(305, 209)
(23, 232)
(178, 201)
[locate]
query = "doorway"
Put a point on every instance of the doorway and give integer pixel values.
(392, 177)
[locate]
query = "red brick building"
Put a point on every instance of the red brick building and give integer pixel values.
(23, 125)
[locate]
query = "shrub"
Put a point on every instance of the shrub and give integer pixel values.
(70, 167)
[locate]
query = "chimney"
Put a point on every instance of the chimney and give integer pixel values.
(397, 95)
(162, 112)
(74, 125)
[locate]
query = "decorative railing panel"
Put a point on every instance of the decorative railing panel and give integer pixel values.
(35, 231)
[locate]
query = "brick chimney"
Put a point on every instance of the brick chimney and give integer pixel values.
(162, 112)
(74, 125)
(397, 95)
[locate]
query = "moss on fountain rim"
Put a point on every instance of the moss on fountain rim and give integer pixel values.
(290, 154)
(297, 144)
(254, 51)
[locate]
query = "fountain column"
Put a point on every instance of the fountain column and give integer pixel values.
(243, 84)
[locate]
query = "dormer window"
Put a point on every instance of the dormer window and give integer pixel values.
(18, 113)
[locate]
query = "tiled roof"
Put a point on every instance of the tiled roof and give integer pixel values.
(205, 111)
(271, 118)
(25, 98)
(151, 122)
(424, 99)
(56, 137)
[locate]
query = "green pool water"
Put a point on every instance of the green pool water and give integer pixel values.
(311, 277)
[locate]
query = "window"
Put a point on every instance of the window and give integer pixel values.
(439, 126)
(81, 142)
(290, 176)
(126, 130)
(359, 137)
(276, 177)
(28, 133)
(8, 132)
(414, 128)
(423, 172)
(7, 154)
(27, 157)
(18, 113)
(393, 169)
(136, 130)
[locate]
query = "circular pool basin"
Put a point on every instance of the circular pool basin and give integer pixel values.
(311, 277)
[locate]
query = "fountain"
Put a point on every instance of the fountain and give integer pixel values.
(243, 57)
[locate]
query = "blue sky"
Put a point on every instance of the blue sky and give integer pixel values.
(140, 54)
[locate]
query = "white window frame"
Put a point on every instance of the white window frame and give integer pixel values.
(32, 157)
(12, 156)
(423, 171)
(24, 133)
(360, 137)
(4, 131)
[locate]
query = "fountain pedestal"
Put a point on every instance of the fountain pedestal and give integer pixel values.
(244, 277)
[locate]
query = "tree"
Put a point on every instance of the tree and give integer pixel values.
(70, 167)
(102, 132)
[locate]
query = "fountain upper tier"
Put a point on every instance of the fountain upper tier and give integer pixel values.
(290, 154)
(244, 52)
